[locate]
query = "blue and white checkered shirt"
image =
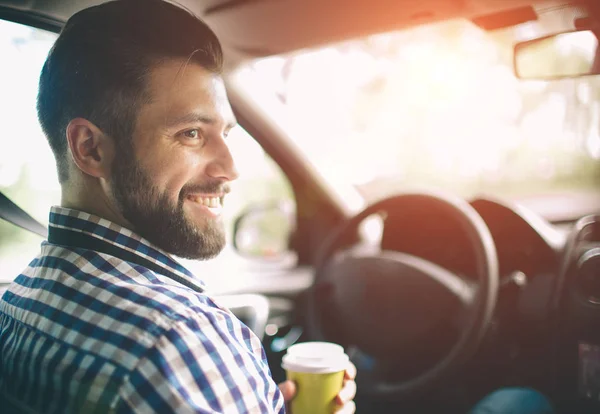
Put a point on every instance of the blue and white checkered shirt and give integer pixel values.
(103, 321)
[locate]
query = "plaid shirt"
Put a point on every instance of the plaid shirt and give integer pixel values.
(103, 321)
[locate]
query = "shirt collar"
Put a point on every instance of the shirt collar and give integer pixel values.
(96, 229)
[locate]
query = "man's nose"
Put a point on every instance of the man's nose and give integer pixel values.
(222, 166)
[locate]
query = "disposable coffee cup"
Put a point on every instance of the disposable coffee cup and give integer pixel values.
(317, 368)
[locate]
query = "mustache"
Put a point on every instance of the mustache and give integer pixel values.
(210, 187)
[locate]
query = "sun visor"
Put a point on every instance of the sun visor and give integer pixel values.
(506, 18)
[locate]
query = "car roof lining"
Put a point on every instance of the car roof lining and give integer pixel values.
(288, 25)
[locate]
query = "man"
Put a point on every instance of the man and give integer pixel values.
(104, 320)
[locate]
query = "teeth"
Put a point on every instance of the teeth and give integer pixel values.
(212, 202)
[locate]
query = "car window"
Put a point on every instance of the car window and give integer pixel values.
(27, 167)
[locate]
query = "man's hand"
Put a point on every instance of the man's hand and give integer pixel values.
(343, 401)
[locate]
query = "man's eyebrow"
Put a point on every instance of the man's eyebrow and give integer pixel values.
(193, 117)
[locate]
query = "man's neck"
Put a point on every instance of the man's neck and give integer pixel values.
(92, 201)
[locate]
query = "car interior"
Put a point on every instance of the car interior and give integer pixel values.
(422, 187)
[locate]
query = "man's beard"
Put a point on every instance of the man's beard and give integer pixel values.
(154, 216)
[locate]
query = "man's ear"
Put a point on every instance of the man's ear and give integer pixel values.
(91, 149)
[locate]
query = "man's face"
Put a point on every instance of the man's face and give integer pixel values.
(170, 181)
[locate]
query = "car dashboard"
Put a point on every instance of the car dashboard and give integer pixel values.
(544, 333)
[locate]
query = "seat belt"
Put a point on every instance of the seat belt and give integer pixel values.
(14, 214)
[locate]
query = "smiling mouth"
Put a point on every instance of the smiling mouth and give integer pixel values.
(207, 201)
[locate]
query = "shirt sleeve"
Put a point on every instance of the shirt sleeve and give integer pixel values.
(206, 364)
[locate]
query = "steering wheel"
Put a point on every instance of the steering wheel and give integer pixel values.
(357, 296)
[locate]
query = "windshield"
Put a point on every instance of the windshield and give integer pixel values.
(435, 106)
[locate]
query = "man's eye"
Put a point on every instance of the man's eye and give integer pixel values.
(192, 133)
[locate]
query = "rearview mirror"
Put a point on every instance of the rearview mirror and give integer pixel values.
(563, 55)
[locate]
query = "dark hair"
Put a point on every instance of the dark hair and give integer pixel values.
(98, 67)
